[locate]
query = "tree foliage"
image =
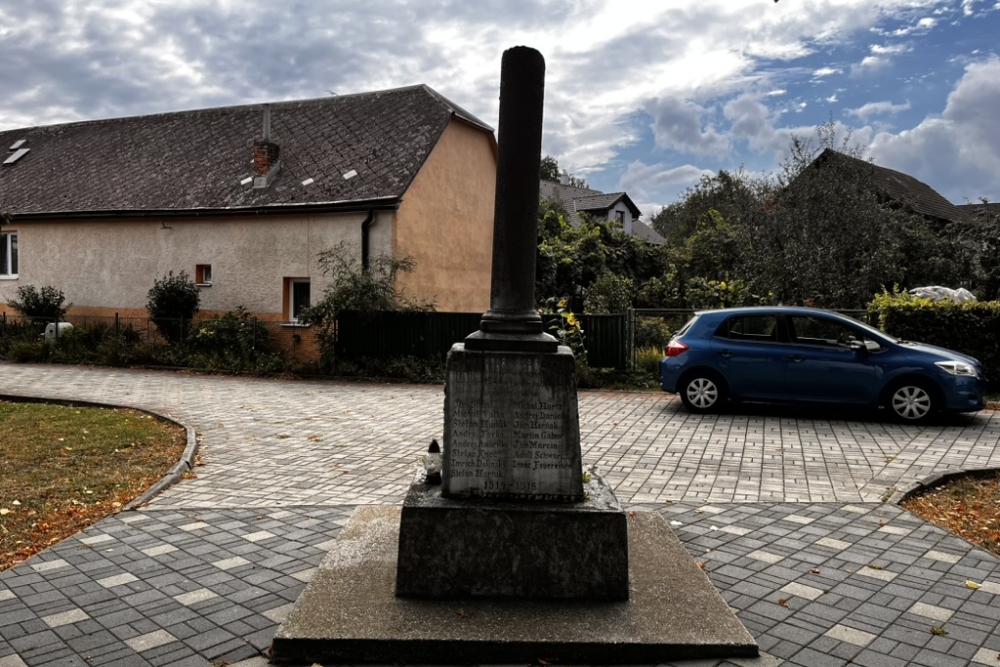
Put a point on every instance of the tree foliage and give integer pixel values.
(172, 303)
(819, 232)
(352, 287)
(594, 262)
(549, 171)
(42, 304)
(356, 288)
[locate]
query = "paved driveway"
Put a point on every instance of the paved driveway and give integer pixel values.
(780, 505)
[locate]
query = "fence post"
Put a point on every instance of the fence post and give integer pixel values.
(118, 330)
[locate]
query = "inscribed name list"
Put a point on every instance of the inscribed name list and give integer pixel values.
(512, 427)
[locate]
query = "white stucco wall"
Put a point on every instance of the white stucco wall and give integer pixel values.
(112, 264)
(612, 215)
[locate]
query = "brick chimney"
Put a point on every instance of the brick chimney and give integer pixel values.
(265, 155)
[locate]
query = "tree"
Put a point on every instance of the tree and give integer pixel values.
(571, 260)
(45, 304)
(357, 288)
(172, 303)
(354, 287)
(549, 169)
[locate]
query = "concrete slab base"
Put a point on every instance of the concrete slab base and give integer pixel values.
(350, 614)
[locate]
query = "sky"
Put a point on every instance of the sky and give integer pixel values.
(640, 96)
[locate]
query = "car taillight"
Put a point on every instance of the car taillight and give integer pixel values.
(675, 348)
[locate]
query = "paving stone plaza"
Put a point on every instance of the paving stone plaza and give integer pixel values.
(784, 507)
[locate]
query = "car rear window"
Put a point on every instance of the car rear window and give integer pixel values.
(749, 327)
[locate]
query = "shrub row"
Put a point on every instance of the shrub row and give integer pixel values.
(972, 328)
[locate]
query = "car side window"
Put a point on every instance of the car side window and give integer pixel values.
(809, 330)
(750, 327)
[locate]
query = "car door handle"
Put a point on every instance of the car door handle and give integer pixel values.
(725, 353)
(796, 358)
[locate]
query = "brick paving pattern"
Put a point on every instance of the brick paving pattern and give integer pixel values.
(782, 506)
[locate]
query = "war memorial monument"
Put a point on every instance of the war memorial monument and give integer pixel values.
(518, 553)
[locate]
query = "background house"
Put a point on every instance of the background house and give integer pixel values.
(244, 198)
(616, 207)
(894, 187)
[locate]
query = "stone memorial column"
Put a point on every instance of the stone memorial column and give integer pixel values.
(512, 516)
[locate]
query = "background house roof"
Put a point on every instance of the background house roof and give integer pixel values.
(981, 210)
(900, 187)
(584, 200)
(194, 161)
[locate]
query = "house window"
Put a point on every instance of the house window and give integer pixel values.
(8, 255)
(620, 218)
(203, 274)
(297, 298)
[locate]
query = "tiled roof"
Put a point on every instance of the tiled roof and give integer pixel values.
(196, 160)
(981, 210)
(583, 200)
(647, 233)
(902, 188)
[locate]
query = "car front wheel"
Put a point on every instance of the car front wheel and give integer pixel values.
(702, 393)
(911, 402)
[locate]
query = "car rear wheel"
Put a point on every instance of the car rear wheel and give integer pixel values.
(911, 402)
(702, 392)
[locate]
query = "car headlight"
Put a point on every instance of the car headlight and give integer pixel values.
(957, 368)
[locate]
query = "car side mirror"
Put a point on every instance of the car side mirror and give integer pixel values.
(859, 347)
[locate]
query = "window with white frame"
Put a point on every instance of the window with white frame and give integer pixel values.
(8, 255)
(297, 298)
(203, 274)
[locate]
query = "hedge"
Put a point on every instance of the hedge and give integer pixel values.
(971, 327)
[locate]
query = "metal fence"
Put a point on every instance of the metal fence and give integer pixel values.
(610, 340)
(431, 335)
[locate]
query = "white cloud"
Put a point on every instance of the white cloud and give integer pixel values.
(922, 26)
(826, 71)
(958, 152)
(643, 182)
(889, 49)
(832, 99)
(679, 125)
(865, 111)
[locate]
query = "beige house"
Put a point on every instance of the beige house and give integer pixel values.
(244, 198)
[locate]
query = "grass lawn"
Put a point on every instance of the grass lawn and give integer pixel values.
(64, 468)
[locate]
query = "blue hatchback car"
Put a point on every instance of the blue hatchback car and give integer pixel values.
(805, 355)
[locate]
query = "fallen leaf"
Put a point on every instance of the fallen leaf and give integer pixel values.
(784, 603)
(937, 630)
(4, 511)
(701, 565)
(814, 571)
(969, 583)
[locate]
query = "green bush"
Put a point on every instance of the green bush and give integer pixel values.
(972, 328)
(43, 304)
(172, 303)
(651, 332)
(30, 352)
(233, 342)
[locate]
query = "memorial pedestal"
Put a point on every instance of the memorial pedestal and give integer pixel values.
(464, 549)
